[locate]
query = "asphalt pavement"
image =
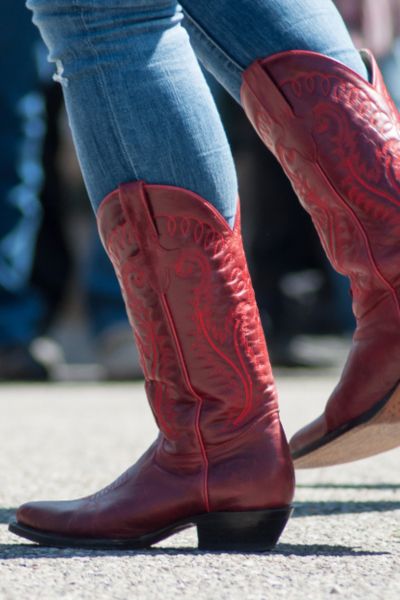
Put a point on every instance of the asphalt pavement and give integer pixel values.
(66, 440)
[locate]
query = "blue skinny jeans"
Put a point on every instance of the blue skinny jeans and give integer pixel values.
(138, 103)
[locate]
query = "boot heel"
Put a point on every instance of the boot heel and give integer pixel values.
(247, 531)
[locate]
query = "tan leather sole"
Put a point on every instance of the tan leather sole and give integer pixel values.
(376, 434)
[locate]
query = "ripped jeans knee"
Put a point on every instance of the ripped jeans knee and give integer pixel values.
(80, 32)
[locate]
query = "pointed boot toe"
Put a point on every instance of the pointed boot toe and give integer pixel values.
(43, 521)
(306, 438)
(31, 514)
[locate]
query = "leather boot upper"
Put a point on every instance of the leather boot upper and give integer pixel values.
(338, 139)
(208, 379)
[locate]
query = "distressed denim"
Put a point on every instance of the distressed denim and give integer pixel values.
(138, 103)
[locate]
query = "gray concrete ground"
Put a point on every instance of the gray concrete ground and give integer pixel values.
(64, 440)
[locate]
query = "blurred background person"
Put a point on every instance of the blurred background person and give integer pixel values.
(22, 130)
(36, 254)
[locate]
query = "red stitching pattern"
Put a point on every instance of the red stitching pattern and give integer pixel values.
(365, 171)
(206, 345)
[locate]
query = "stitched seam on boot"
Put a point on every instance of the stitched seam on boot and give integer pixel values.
(387, 284)
(168, 316)
(185, 374)
(364, 234)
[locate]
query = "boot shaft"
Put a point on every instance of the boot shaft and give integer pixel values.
(209, 382)
(338, 139)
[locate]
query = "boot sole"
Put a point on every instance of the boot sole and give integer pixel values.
(248, 531)
(375, 431)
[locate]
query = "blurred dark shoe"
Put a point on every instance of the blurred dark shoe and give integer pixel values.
(18, 364)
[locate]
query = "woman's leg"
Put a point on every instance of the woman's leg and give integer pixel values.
(139, 108)
(137, 101)
(337, 137)
(229, 36)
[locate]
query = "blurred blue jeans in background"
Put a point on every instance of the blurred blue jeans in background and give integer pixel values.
(23, 308)
(22, 129)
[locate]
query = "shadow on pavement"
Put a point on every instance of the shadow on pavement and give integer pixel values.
(6, 514)
(302, 509)
(323, 550)
(348, 486)
(332, 507)
(33, 552)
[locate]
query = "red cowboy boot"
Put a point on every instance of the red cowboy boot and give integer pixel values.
(221, 461)
(338, 139)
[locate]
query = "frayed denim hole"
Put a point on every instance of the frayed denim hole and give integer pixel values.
(58, 75)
